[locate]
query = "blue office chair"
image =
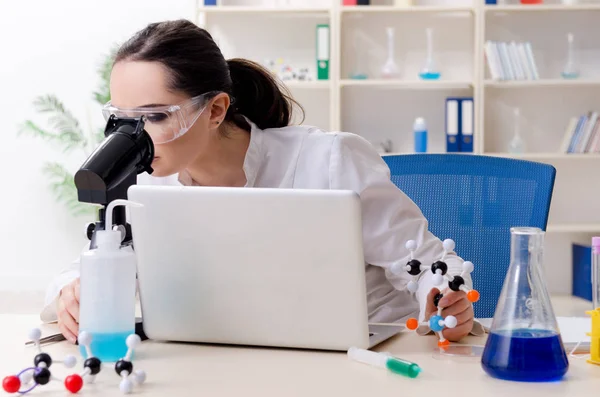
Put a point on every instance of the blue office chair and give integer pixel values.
(475, 200)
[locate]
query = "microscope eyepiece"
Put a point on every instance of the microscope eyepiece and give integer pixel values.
(114, 165)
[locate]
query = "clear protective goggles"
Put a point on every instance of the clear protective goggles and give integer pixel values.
(164, 123)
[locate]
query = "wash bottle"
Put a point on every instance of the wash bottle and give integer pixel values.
(107, 292)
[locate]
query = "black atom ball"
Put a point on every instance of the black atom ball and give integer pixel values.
(415, 267)
(41, 376)
(42, 358)
(123, 365)
(93, 363)
(436, 299)
(439, 265)
(456, 283)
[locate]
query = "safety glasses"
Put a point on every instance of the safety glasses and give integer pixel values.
(165, 123)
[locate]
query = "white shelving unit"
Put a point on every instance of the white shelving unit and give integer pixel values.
(381, 109)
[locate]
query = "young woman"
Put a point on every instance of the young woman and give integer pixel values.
(227, 123)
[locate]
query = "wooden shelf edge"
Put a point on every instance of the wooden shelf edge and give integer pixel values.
(541, 83)
(262, 10)
(414, 84)
(541, 7)
(408, 9)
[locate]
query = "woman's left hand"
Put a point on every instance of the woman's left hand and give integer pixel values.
(454, 304)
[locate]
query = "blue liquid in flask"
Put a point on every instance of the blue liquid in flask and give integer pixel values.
(526, 355)
(109, 347)
(430, 75)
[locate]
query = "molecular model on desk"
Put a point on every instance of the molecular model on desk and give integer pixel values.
(415, 268)
(39, 375)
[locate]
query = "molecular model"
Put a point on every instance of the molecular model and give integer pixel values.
(415, 268)
(39, 375)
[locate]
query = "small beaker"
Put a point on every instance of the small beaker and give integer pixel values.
(524, 343)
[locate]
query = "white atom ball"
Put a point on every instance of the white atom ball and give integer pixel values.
(411, 245)
(449, 244)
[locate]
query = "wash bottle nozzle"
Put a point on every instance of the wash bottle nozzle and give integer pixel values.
(110, 238)
(384, 360)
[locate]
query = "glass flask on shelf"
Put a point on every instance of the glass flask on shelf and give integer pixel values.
(429, 70)
(524, 342)
(517, 145)
(570, 71)
(390, 69)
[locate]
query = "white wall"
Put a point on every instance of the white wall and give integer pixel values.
(53, 47)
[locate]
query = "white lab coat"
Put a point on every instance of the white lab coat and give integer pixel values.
(305, 157)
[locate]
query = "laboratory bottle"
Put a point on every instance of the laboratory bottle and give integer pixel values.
(107, 293)
(596, 272)
(524, 342)
(420, 133)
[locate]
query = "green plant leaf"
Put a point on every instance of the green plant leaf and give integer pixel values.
(63, 187)
(67, 131)
(102, 94)
(30, 128)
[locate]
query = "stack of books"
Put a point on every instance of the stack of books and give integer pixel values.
(510, 61)
(582, 134)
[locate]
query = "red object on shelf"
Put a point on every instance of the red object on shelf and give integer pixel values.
(349, 2)
(532, 1)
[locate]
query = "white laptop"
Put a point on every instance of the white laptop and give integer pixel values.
(261, 267)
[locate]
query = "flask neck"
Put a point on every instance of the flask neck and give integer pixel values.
(526, 247)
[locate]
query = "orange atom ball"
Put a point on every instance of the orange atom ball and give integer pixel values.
(443, 343)
(412, 324)
(473, 296)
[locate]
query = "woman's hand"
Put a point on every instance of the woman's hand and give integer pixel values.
(454, 304)
(68, 311)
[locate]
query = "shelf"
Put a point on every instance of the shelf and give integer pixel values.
(309, 85)
(541, 83)
(548, 156)
(387, 9)
(262, 10)
(542, 7)
(573, 228)
(408, 84)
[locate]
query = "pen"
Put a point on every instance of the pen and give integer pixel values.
(384, 360)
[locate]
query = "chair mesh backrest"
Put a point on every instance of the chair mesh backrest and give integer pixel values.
(475, 200)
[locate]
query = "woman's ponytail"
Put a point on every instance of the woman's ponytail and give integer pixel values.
(258, 96)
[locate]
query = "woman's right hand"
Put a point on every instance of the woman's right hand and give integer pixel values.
(68, 311)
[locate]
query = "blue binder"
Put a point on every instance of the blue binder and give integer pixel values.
(582, 271)
(210, 2)
(467, 127)
(453, 137)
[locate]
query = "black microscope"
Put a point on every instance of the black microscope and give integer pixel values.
(112, 168)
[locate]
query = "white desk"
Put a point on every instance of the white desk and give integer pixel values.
(208, 370)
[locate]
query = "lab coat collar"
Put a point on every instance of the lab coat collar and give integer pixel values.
(253, 154)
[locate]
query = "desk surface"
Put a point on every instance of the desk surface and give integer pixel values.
(176, 369)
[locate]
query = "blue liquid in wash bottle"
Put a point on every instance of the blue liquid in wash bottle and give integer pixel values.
(107, 294)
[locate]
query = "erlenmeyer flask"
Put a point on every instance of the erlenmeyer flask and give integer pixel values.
(524, 343)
